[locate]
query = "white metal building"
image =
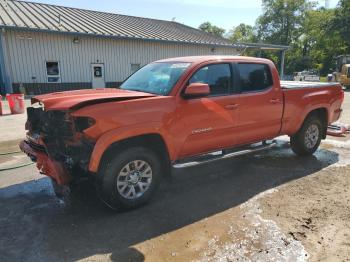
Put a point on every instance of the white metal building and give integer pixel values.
(46, 48)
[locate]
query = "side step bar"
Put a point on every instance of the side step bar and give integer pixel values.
(224, 154)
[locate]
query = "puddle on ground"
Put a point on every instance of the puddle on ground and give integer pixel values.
(259, 240)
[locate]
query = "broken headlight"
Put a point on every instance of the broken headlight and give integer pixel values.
(82, 123)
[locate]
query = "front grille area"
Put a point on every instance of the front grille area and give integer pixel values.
(53, 124)
(37, 147)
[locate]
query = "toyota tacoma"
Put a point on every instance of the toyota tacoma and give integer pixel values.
(173, 113)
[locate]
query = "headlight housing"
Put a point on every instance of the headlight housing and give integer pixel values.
(83, 123)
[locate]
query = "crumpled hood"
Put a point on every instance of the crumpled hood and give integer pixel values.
(78, 98)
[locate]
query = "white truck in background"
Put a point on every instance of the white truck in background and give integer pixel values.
(307, 76)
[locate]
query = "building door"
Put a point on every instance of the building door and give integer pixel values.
(98, 76)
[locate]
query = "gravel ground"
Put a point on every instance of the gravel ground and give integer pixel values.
(281, 208)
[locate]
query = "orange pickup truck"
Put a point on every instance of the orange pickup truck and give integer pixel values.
(173, 113)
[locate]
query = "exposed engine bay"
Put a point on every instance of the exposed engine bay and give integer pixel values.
(57, 136)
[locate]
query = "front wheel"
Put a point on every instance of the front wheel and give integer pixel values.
(128, 178)
(308, 138)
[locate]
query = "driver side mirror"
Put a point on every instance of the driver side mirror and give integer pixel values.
(197, 90)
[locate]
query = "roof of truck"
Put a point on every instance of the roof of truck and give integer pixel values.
(199, 59)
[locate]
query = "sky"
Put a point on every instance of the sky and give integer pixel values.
(223, 13)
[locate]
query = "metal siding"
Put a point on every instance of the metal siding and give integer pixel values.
(28, 57)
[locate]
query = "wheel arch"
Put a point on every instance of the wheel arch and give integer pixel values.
(153, 141)
(322, 114)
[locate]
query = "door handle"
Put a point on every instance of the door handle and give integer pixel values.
(231, 106)
(274, 101)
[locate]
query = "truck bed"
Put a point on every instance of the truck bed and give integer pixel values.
(298, 85)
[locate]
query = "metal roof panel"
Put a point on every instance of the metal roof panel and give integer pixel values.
(54, 18)
(30, 15)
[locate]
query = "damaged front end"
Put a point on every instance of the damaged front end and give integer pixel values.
(55, 141)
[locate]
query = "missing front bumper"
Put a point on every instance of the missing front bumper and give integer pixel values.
(46, 166)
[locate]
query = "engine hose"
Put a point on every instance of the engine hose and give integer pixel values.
(14, 167)
(10, 153)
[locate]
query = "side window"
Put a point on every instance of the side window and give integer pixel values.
(217, 76)
(254, 77)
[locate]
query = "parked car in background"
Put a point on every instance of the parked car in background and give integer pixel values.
(307, 76)
(173, 113)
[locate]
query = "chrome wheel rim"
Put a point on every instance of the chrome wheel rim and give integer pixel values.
(311, 136)
(134, 179)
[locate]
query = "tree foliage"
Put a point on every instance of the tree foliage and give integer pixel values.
(212, 29)
(341, 22)
(242, 33)
(315, 35)
(282, 20)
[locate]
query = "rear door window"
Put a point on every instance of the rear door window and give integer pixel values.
(217, 76)
(254, 77)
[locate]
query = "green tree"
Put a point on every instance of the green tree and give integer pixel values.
(212, 29)
(341, 22)
(282, 23)
(242, 33)
(319, 43)
(282, 20)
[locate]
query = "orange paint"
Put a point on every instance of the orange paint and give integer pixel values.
(194, 126)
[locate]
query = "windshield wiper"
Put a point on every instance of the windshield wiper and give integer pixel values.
(141, 90)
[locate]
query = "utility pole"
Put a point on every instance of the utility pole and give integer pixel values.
(326, 4)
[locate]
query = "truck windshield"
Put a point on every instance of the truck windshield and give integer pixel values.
(156, 78)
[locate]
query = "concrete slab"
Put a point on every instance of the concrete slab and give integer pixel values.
(12, 126)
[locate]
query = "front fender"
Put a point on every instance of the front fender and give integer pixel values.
(122, 133)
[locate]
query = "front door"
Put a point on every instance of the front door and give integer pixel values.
(208, 124)
(98, 76)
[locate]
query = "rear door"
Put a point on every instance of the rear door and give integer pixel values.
(260, 103)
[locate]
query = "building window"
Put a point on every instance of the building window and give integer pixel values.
(53, 72)
(98, 71)
(134, 68)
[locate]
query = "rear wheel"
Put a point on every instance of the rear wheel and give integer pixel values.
(308, 138)
(128, 178)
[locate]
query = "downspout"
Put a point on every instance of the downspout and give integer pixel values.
(6, 87)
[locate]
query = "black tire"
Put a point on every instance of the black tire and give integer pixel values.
(299, 142)
(111, 172)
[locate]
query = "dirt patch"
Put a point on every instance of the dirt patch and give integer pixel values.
(238, 234)
(315, 211)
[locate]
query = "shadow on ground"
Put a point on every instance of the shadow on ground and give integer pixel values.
(35, 226)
